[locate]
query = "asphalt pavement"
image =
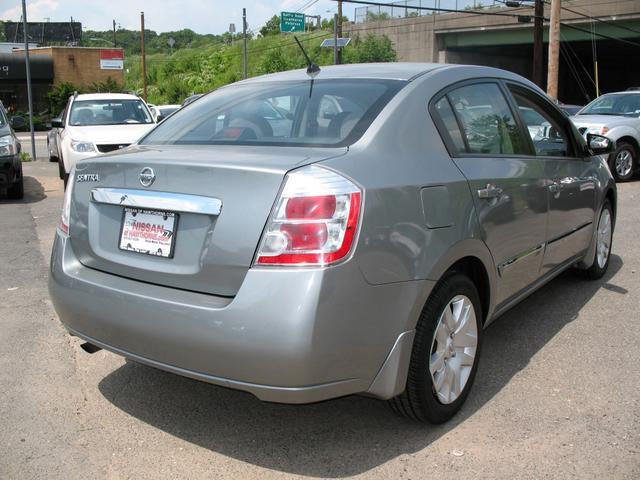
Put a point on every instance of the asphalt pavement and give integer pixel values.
(556, 394)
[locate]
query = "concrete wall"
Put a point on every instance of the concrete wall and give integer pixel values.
(78, 65)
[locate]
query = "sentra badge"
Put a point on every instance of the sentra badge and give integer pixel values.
(88, 177)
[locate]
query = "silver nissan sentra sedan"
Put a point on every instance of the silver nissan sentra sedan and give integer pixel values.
(303, 239)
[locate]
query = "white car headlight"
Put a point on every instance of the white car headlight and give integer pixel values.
(8, 146)
(83, 147)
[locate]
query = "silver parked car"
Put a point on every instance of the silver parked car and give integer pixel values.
(616, 115)
(304, 239)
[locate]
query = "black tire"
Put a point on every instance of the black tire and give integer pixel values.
(52, 158)
(16, 191)
(419, 401)
(61, 171)
(619, 173)
(596, 270)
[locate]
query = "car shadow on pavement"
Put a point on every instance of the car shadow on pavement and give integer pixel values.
(33, 192)
(351, 435)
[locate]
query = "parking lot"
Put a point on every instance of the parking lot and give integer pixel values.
(556, 394)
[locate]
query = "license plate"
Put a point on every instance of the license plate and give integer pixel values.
(148, 231)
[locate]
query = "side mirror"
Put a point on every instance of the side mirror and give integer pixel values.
(17, 122)
(159, 118)
(56, 122)
(599, 145)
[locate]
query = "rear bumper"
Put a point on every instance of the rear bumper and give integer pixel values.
(289, 335)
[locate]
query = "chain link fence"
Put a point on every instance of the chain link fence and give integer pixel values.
(412, 8)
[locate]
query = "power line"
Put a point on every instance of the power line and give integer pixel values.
(308, 5)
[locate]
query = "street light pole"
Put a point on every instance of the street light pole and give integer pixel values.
(28, 69)
(335, 39)
(144, 58)
(245, 68)
(339, 30)
(114, 34)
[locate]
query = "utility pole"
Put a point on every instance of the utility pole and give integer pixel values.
(245, 64)
(28, 69)
(114, 34)
(554, 50)
(339, 30)
(538, 34)
(144, 58)
(335, 39)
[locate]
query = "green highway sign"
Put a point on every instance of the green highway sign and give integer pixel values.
(291, 22)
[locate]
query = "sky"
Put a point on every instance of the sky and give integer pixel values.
(202, 16)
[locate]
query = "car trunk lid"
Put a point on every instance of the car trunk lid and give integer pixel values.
(212, 250)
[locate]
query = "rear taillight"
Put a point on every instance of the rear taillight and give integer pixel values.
(315, 220)
(66, 204)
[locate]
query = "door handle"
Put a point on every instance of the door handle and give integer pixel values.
(491, 191)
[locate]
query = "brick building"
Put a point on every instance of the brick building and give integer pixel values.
(81, 66)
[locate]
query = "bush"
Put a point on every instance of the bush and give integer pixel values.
(59, 95)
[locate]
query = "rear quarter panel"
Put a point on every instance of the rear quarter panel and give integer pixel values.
(400, 156)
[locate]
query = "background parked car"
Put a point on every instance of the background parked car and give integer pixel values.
(616, 115)
(570, 109)
(52, 141)
(98, 123)
(165, 110)
(190, 99)
(10, 161)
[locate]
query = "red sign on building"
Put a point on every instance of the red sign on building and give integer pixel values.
(111, 59)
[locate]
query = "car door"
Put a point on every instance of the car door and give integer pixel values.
(572, 180)
(489, 145)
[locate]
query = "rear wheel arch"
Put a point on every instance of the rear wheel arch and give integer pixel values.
(472, 258)
(474, 269)
(611, 196)
(632, 141)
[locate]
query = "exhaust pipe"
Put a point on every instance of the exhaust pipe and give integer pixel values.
(90, 347)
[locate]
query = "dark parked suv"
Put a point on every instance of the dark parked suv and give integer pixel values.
(10, 164)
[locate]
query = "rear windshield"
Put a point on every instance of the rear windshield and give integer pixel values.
(325, 113)
(108, 112)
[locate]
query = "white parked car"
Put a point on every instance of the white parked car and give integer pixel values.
(617, 116)
(98, 123)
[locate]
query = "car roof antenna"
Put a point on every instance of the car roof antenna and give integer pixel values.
(312, 69)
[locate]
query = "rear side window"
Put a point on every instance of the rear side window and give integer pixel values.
(488, 125)
(328, 113)
(445, 112)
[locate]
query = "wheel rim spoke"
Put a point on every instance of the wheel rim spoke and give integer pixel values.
(604, 238)
(453, 350)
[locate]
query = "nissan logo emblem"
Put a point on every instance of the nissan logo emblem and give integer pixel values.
(147, 176)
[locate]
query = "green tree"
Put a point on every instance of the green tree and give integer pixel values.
(272, 27)
(327, 24)
(374, 17)
(59, 95)
(372, 49)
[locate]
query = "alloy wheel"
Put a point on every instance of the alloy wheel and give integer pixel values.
(604, 237)
(453, 350)
(624, 163)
